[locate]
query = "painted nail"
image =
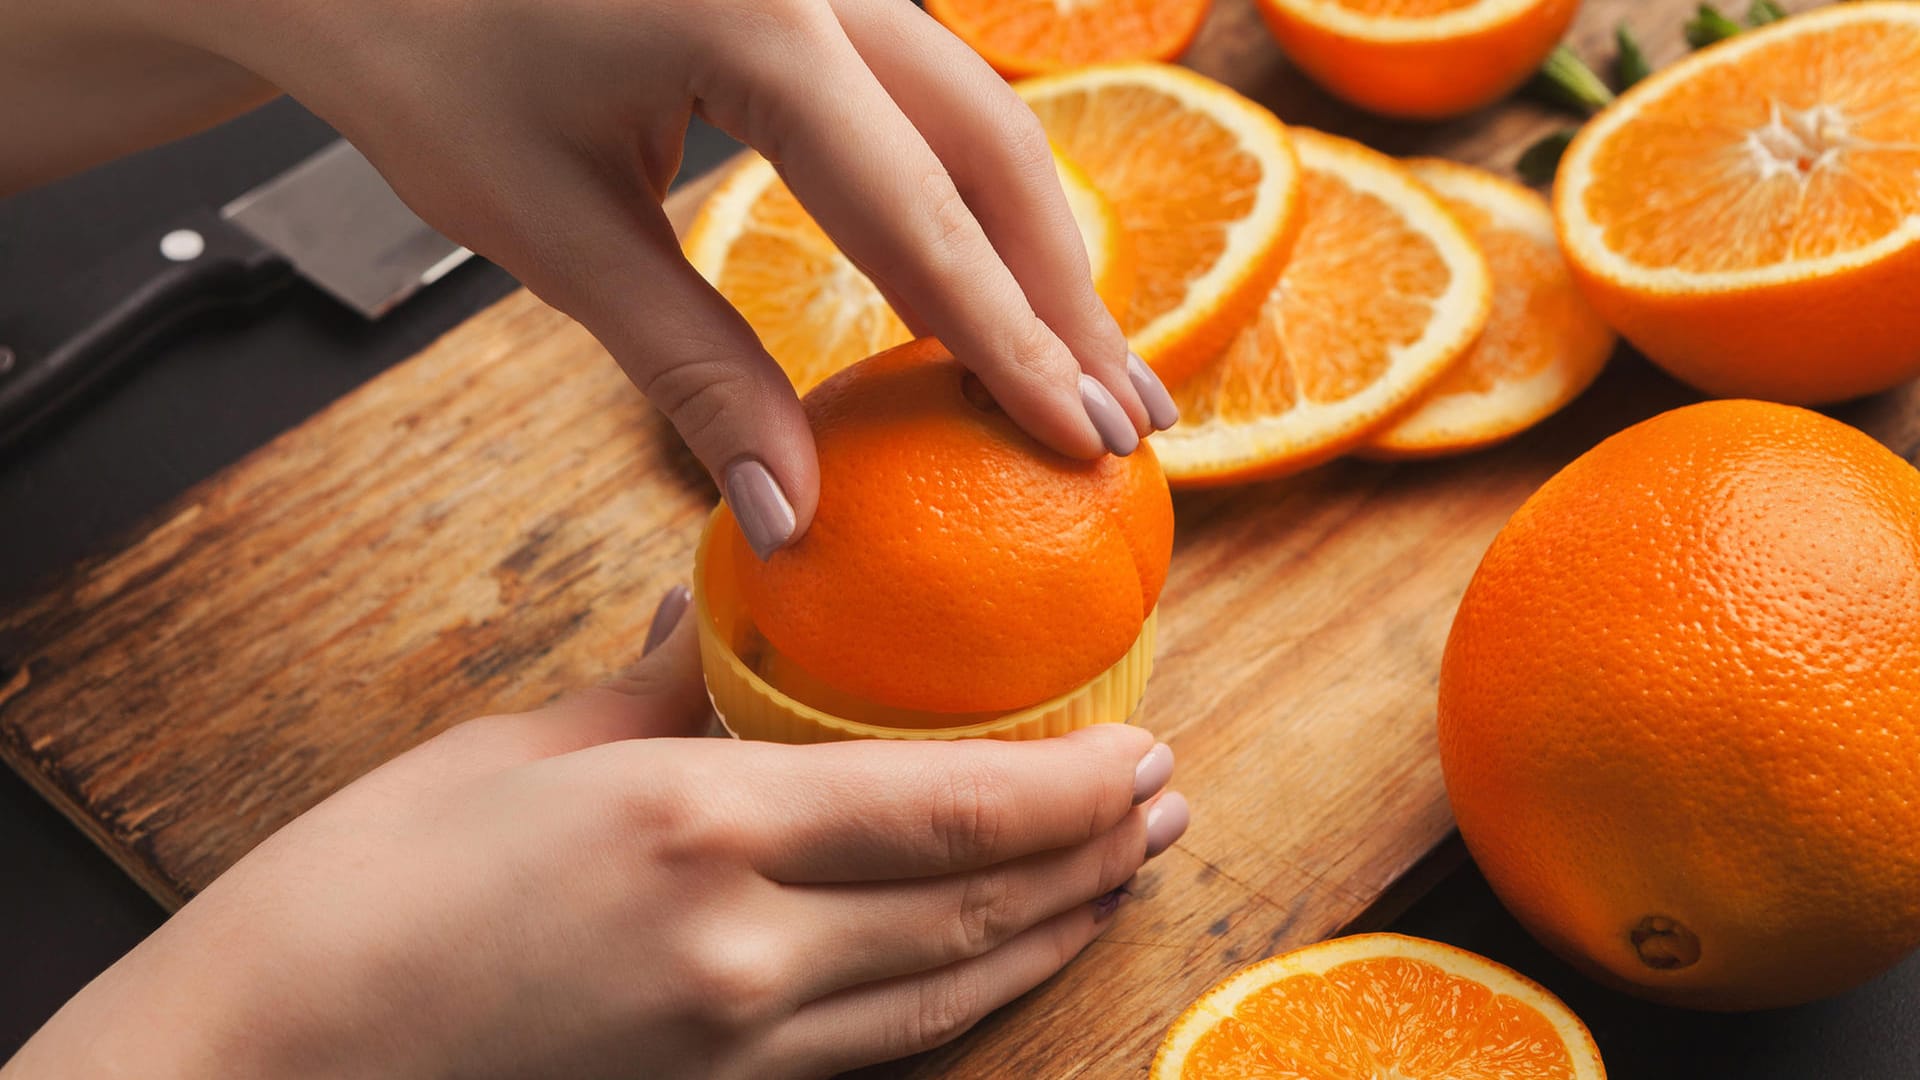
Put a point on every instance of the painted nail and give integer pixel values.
(1109, 419)
(1166, 822)
(1107, 903)
(1153, 772)
(667, 616)
(765, 515)
(1153, 393)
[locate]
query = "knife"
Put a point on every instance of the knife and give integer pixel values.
(331, 219)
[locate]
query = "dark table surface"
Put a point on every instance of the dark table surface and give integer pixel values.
(209, 397)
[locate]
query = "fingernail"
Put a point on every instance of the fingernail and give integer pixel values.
(765, 516)
(1153, 772)
(1109, 419)
(1166, 822)
(1153, 393)
(1107, 903)
(667, 616)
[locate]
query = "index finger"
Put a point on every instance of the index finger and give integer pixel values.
(868, 176)
(881, 810)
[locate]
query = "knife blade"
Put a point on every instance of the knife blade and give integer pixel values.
(331, 220)
(335, 219)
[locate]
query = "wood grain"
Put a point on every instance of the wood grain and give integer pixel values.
(491, 523)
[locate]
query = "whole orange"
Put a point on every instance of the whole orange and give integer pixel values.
(954, 564)
(1680, 708)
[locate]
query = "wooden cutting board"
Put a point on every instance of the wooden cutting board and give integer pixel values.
(492, 522)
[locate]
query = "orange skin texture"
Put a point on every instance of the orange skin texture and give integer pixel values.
(1685, 683)
(1812, 341)
(1423, 80)
(1150, 30)
(955, 565)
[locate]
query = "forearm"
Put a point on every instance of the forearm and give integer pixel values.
(82, 83)
(206, 996)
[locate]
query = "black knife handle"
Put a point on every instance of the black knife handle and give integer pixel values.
(134, 297)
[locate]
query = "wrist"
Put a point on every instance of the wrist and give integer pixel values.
(172, 1008)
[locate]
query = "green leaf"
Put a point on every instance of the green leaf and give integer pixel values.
(1540, 161)
(1630, 64)
(1762, 12)
(1566, 80)
(1709, 27)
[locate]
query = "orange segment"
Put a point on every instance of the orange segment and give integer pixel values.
(1748, 216)
(1378, 1005)
(1206, 186)
(1385, 290)
(815, 311)
(1542, 346)
(1418, 58)
(1032, 37)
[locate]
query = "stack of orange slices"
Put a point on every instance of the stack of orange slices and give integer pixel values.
(814, 310)
(1304, 296)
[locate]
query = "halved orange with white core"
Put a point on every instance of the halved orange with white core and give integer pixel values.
(1373, 1006)
(1207, 188)
(1384, 292)
(1749, 216)
(1543, 344)
(813, 309)
(1422, 59)
(1032, 37)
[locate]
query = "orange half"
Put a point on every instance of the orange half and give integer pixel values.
(1033, 37)
(1373, 1006)
(1422, 59)
(1749, 216)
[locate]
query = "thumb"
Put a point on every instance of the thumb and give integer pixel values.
(663, 694)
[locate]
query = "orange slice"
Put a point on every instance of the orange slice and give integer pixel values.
(1206, 185)
(1418, 58)
(1032, 37)
(1373, 1006)
(1749, 216)
(1542, 346)
(814, 310)
(1384, 292)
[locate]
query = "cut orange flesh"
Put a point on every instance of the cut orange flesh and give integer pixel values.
(813, 309)
(1032, 37)
(1384, 292)
(1749, 216)
(1373, 1007)
(1206, 186)
(1543, 344)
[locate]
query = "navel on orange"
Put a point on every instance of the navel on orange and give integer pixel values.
(1543, 344)
(1748, 216)
(815, 311)
(1206, 186)
(1373, 1006)
(1384, 292)
(1679, 711)
(1422, 59)
(955, 565)
(1032, 37)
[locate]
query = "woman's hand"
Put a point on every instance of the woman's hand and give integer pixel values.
(571, 892)
(543, 134)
